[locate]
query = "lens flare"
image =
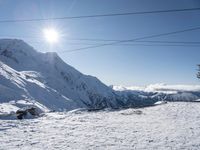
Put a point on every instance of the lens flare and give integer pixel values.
(51, 35)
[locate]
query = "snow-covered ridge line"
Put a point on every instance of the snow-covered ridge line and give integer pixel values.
(161, 92)
(45, 79)
(165, 88)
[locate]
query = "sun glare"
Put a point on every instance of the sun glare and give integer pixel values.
(51, 35)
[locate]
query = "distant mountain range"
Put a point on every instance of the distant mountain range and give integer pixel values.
(45, 79)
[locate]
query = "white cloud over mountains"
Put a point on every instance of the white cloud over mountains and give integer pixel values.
(160, 87)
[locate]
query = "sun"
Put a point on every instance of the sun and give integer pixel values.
(51, 35)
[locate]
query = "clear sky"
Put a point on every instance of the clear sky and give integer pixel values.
(139, 64)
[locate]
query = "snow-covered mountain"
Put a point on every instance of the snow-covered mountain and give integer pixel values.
(160, 92)
(46, 80)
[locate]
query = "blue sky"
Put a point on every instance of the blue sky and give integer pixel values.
(119, 65)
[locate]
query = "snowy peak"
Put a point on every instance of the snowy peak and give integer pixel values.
(15, 48)
(49, 72)
(17, 54)
(44, 78)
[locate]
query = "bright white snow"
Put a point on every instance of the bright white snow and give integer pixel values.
(45, 79)
(28, 78)
(163, 127)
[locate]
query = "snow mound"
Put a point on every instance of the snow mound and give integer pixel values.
(9, 110)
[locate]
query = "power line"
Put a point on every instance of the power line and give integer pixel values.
(102, 15)
(141, 41)
(134, 44)
(135, 39)
(172, 42)
(130, 44)
(103, 40)
(169, 45)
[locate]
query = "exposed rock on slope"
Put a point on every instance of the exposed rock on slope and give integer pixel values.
(44, 77)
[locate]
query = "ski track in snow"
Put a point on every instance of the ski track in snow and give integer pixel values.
(169, 126)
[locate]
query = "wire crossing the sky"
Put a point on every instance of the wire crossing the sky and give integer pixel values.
(103, 40)
(135, 39)
(101, 15)
(106, 40)
(141, 41)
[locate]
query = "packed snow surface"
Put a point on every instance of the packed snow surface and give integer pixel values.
(175, 125)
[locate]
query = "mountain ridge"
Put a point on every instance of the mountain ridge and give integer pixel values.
(50, 71)
(45, 78)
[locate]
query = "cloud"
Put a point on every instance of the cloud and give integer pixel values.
(160, 87)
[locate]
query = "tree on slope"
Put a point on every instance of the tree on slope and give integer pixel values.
(198, 74)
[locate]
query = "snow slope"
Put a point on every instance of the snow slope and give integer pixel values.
(45, 78)
(172, 126)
